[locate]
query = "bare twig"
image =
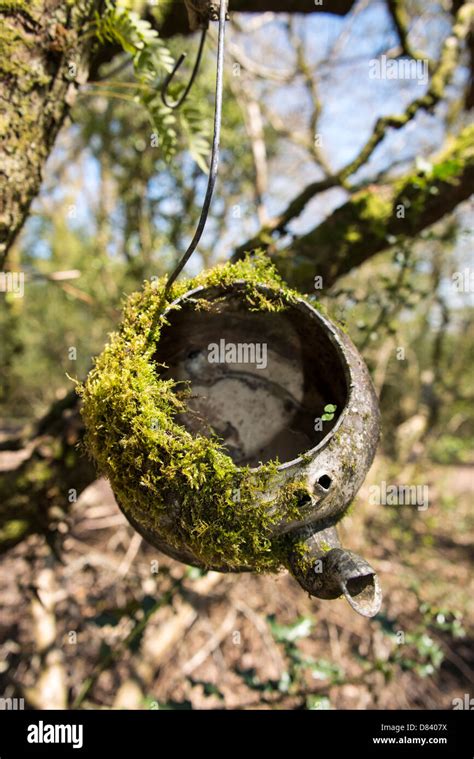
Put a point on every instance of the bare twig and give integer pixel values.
(254, 125)
(401, 21)
(129, 557)
(214, 642)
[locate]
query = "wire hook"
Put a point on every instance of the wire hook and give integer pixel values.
(167, 81)
(215, 151)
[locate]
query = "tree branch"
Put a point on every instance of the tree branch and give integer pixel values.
(375, 217)
(177, 20)
(401, 22)
(440, 79)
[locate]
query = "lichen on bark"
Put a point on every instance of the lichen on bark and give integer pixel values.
(44, 50)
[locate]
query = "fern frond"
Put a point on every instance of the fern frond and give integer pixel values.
(151, 61)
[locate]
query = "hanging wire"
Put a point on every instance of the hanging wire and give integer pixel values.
(215, 151)
(167, 81)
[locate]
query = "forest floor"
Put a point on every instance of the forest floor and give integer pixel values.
(74, 633)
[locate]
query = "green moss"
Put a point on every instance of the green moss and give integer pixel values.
(26, 6)
(353, 234)
(375, 212)
(416, 191)
(301, 555)
(181, 486)
(13, 529)
(13, 44)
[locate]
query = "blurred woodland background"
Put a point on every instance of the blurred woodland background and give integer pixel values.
(340, 170)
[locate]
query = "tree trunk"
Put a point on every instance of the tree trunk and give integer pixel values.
(44, 56)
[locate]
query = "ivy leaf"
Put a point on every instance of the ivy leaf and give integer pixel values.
(209, 689)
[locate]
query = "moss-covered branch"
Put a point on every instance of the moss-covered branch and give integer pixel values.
(375, 217)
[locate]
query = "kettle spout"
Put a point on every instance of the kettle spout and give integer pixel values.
(355, 579)
(328, 571)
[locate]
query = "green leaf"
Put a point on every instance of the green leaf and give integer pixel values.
(252, 681)
(289, 633)
(318, 702)
(324, 670)
(194, 573)
(151, 61)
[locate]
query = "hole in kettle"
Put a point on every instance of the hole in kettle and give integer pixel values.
(303, 499)
(325, 481)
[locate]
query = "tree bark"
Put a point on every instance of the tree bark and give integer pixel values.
(44, 58)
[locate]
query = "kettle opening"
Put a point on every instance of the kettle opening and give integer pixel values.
(363, 593)
(271, 383)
